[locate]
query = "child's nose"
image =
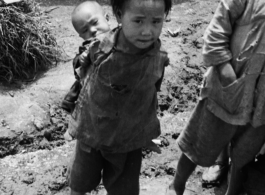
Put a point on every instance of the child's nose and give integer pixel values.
(147, 30)
(93, 29)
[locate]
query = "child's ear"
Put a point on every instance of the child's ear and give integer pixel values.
(107, 17)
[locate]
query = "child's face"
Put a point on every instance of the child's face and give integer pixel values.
(91, 22)
(142, 22)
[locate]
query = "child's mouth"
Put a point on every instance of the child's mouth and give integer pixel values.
(145, 41)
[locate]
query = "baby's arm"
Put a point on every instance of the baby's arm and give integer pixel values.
(84, 64)
(83, 61)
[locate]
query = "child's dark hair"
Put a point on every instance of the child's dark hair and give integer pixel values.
(118, 5)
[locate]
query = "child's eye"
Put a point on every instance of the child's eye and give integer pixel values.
(138, 21)
(95, 22)
(157, 21)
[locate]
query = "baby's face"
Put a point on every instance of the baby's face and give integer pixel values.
(142, 22)
(91, 22)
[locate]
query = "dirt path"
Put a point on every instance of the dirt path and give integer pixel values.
(38, 162)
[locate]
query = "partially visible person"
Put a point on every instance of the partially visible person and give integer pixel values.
(232, 105)
(115, 114)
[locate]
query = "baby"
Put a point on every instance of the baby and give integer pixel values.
(89, 20)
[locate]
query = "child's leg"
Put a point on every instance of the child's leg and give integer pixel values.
(184, 169)
(235, 181)
(121, 172)
(84, 173)
(244, 147)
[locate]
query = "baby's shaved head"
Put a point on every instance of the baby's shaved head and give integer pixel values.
(89, 20)
(83, 8)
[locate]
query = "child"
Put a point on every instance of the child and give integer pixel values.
(232, 105)
(89, 21)
(115, 114)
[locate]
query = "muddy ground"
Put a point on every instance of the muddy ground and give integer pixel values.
(33, 152)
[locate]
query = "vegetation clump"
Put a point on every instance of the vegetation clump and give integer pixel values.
(27, 45)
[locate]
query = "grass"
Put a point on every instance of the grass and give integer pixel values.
(27, 45)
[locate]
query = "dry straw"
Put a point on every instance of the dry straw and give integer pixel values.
(27, 45)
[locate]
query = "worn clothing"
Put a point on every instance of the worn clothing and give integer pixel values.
(80, 69)
(236, 34)
(116, 108)
(68, 103)
(206, 135)
(119, 172)
(237, 112)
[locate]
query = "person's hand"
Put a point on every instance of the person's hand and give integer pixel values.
(153, 147)
(262, 150)
(83, 57)
(227, 74)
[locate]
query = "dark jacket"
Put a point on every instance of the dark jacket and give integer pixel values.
(116, 108)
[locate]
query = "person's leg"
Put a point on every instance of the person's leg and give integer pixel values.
(84, 173)
(184, 169)
(244, 147)
(235, 181)
(121, 172)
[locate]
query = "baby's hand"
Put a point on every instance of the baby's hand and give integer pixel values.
(83, 57)
(153, 147)
(262, 150)
(227, 74)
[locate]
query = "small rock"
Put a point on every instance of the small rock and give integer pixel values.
(29, 180)
(3, 123)
(165, 142)
(47, 134)
(44, 144)
(38, 122)
(55, 120)
(170, 171)
(175, 135)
